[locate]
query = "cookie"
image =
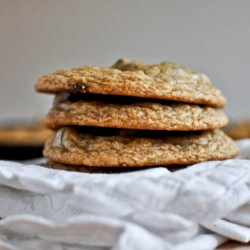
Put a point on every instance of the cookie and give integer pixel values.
(132, 114)
(166, 81)
(126, 148)
(177, 72)
(28, 134)
(22, 141)
(239, 130)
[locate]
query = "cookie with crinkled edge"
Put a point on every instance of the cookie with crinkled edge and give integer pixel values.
(166, 81)
(134, 115)
(69, 146)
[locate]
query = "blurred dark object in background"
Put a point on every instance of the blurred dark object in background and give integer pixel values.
(238, 130)
(22, 140)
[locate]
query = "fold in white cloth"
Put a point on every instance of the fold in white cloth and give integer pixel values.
(199, 207)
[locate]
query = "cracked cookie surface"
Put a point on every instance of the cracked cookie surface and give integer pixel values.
(134, 149)
(134, 115)
(166, 81)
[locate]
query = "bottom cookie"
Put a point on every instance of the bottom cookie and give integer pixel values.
(126, 148)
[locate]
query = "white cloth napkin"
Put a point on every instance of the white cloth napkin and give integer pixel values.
(199, 207)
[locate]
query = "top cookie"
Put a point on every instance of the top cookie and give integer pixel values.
(166, 81)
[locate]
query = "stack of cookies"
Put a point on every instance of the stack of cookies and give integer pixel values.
(133, 115)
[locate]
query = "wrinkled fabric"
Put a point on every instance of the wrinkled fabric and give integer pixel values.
(199, 207)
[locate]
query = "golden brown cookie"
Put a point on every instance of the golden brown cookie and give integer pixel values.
(239, 130)
(132, 114)
(166, 81)
(175, 71)
(136, 149)
(24, 134)
(22, 141)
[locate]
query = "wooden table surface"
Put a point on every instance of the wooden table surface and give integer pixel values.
(232, 245)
